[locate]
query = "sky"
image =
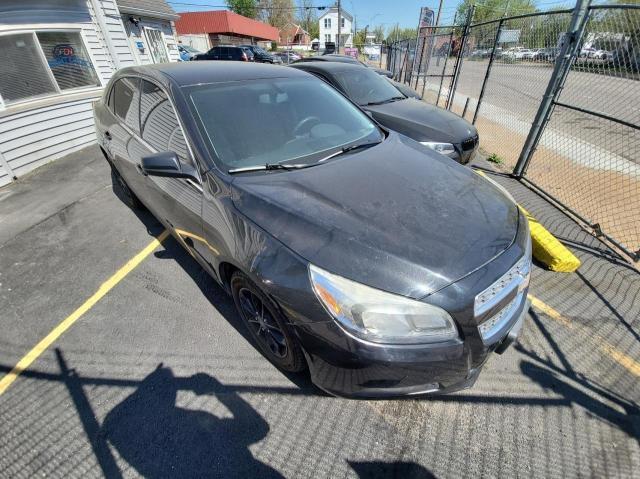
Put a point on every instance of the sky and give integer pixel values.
(371, 12)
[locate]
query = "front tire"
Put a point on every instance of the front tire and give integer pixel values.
(266, 325)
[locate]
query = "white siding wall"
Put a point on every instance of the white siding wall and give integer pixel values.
(34, 134)
(199, 41)
(345, 32)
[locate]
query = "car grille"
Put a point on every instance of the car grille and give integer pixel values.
(513, 282)
(470, 143)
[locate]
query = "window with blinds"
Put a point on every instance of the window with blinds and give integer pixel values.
(36, 64)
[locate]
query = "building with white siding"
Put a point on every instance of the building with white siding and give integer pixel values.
(55, 59)
(328, 23)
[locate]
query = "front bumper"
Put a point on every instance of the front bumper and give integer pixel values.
(346, 366)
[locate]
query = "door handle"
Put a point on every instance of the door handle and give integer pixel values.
(108, 136)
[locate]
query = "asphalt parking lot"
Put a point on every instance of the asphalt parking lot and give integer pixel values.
(158, 378)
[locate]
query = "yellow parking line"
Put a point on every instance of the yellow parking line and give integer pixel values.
(618, 356)
(56, 332)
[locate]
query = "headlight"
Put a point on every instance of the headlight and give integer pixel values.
(380, 317)
(445, 148)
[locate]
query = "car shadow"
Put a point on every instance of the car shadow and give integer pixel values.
(160, 439)
(390, 470)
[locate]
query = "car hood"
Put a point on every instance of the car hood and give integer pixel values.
(421, 121)
(396, 216)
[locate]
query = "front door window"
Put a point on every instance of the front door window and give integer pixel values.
(156, 45)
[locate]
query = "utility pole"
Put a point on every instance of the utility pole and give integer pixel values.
(339, 27)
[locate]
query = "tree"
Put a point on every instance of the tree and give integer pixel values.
(398, 33)
(246, 8)
(277, 13)
(493, 9)
(307, 18)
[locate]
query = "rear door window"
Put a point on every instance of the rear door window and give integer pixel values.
(125, 99)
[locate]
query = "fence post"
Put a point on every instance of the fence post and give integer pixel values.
(560, 71)
(420, 61)
(456, 68)
(486, 75)
(444, 71)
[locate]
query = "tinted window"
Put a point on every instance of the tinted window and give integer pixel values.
(365, 86)
(125, 101)
(159, 124)
(276, 120)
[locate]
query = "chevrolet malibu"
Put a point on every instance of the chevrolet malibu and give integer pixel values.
(381, 266)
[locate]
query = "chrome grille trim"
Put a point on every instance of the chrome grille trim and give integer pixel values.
(492, 326)
(516, 279)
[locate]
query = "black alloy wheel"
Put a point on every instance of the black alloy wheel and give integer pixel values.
(266, 325)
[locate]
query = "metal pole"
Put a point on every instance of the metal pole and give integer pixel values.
(486, 75)
(420, 62)
(339, 28)
(456, 69)
(444, 70)
(560, 72)
(415, 55)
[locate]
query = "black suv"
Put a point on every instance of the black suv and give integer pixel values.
(226, 52)
(260, 55)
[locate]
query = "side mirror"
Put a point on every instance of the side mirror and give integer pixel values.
(167, 164)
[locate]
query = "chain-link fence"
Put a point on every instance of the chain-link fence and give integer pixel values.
(554, 96)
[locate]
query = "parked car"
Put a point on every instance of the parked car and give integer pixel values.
(517, 53)
(547, 54)
(405, 89)
(344, 59)
(187, 52)
(226, 52)
(435, 128)
(261, 55)
(383, 267)
(288, 56)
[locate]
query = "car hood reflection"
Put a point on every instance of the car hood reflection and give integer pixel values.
(397, 216)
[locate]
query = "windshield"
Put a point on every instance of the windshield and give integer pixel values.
(190, 49)
(366, 87)
(252, 123)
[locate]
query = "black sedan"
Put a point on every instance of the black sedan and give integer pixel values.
(434, 127)
(337, 58)
(383, 267)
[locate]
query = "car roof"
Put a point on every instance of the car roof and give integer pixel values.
(201, 72)
(329, 67)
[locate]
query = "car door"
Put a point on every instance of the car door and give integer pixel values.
(124, 102)
(176, 202)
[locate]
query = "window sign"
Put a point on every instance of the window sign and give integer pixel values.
(36, 64)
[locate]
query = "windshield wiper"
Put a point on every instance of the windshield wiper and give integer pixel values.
(388, 100)
(269, 167)
(280, 166)
(347, 149)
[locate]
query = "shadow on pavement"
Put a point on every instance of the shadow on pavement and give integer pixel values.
(160, 439)
(390, 470)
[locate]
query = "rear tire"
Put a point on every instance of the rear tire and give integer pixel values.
(126, 195)
(266, 325)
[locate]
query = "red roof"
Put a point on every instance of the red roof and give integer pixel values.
(224, 21)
